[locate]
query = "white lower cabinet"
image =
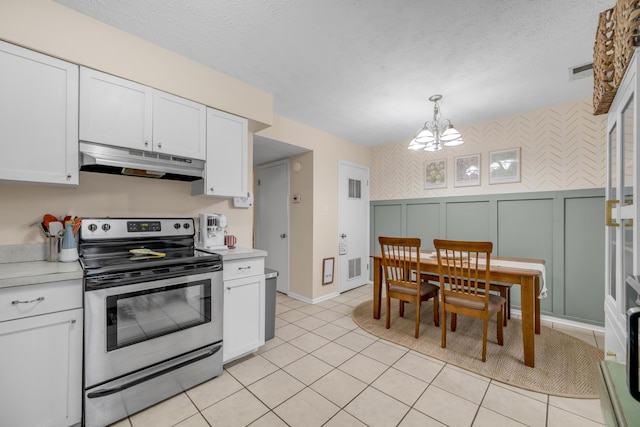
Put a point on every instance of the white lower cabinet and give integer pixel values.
(244, 305)
(41, 357)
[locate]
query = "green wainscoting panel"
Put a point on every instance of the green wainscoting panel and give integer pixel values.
(388, 220)
(525, 230)
(584, 276)
(468, 220)
(423, 221)
(563, 228)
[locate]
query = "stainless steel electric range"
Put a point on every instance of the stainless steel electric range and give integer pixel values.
(153, 314)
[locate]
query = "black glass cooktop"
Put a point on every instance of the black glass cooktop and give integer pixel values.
(140, 254)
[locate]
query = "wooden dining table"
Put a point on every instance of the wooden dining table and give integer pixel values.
(528, 279)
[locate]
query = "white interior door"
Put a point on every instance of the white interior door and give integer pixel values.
(353, 226)
(272, 210)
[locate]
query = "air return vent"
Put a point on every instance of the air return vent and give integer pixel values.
(581, 71)
(355, 268)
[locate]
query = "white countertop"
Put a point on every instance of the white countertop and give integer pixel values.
(237, 253)
(32, 272)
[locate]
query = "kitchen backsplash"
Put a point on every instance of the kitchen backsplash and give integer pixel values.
(109, 195)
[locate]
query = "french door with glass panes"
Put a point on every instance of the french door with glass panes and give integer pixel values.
(621, 211)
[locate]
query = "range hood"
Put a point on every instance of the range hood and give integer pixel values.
(124, 161)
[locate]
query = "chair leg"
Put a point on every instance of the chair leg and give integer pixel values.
(504, 293)
(417, 334)
(388, 311)
(454, 321)
(500, 326)
(508, 305)
(436, 312)
(401, 308)
(443, 327)
(484, 338)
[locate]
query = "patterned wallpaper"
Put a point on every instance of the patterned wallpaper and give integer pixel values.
(561, 148)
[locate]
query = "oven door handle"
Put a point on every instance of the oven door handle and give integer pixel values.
(108, 391)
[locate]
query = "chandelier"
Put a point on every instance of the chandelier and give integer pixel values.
(436, 134)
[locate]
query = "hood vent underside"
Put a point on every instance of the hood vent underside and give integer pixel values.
(124, 161)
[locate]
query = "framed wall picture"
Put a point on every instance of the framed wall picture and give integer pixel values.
(327, 270)
(435, 174)
(504, 166)
(467, 170)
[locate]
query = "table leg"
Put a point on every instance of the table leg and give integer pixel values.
(527, 288)
(377, 286)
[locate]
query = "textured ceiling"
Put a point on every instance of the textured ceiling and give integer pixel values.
(363, 70)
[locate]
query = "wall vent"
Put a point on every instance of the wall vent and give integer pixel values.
(355, 268)
(581, 71)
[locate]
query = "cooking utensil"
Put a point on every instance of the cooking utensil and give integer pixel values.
(77, 223)
(55, 227)
(47, 219)
(144, 253)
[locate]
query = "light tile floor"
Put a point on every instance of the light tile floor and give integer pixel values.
(321, 369)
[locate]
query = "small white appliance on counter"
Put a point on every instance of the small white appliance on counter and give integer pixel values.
(212, 231)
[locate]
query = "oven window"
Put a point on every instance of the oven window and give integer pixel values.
(145, 315)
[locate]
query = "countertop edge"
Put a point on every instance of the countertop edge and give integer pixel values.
(237, 253)
(35, 272)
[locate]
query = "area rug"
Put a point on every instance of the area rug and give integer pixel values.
(564, 365)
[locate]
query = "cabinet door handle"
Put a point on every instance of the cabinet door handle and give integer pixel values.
(608, 218)
(159, 144)
(244, 268)
(27, 302)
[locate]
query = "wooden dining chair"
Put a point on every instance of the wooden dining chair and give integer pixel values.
(403, 279)
(504, 289)
(464, 286)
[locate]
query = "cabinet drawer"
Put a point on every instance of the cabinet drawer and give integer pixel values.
(32, 300)
(242, 268)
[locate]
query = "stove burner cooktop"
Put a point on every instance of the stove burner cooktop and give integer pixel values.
(112, 245)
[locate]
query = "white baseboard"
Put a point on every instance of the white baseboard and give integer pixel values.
(314, 300)
(561, 321)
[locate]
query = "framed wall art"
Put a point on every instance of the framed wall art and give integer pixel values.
(327, 271)
(504, 166)
(435, 174)
(467, 170)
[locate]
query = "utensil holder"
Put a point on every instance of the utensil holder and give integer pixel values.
(52, 248)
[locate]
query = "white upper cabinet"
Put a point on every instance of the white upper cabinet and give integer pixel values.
(226, 173)
(179, 126)
(114, 111)
(122, 113)
(39, 117)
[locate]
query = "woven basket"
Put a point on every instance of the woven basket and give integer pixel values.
(605, 84)
(627, 35)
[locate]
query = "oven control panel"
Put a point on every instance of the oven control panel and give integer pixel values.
(117, 228)
(141, 226)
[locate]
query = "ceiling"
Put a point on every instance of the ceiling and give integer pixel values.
(363, 70)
